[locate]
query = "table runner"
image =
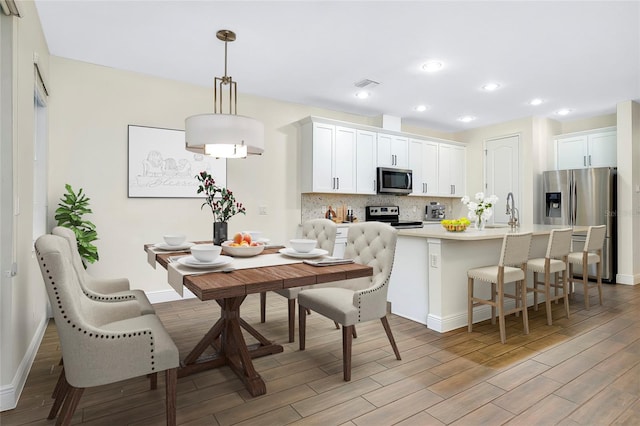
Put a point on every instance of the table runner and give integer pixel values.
(177, 271)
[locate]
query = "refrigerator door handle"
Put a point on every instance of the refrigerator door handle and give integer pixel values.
(574, 203)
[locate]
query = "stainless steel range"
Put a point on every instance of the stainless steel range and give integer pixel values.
(390, 215)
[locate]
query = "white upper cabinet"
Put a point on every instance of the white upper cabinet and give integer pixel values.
(451, 170)
(393, 151)
(595, 148)
(423, 161)
(366, 162)
(328, 158)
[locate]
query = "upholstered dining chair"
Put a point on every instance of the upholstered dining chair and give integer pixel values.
(101, 342)
(359, 300)
(322, 230)
(102, 289)
(554, 261)
(511, 267)
(591, 254)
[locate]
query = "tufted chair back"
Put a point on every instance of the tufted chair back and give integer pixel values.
(322, 230)
(95, 336)
(372, 244)
(94, 288)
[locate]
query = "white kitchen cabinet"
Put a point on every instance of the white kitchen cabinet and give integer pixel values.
(341, 241)
(423, 161)
(451, 170)
(329, 155)
(582, 150)
(393, 151)
(366, 161)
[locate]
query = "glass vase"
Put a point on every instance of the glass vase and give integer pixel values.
(219, 232)
(479, 224)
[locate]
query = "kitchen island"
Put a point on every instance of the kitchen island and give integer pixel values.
(429, 279)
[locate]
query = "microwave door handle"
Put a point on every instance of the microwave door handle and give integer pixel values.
(408, 180)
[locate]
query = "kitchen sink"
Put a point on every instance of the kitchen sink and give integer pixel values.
(496, 225)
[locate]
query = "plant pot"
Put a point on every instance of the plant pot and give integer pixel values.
(219, 232)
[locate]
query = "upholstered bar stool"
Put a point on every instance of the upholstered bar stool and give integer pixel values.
(590, 254)
(365, 299)
(101, 343)
(511, 268)
(322, 230)
(554, 261)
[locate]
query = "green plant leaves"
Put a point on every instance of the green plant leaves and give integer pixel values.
(71, 209)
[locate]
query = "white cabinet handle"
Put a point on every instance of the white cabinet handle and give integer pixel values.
(337, 183)
(589, 159)
(584, 160)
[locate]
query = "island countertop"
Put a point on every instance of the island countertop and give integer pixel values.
(471, 234)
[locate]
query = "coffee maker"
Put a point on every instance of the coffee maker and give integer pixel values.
(434, 212)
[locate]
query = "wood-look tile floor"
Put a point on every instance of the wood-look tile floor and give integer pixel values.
(581, 371)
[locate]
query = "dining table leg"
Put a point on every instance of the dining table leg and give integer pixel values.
(230, 347)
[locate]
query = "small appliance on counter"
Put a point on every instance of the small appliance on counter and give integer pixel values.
(434, 212)
(390, 215)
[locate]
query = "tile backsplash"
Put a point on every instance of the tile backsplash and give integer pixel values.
(411, 208)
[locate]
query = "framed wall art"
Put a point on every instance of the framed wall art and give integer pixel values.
(161, 167)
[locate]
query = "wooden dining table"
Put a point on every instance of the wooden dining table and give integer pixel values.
(229, 290)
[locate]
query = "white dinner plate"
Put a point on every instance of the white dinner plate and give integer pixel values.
(316, 252)
(192, 262)
(264, 240)
(167, 247)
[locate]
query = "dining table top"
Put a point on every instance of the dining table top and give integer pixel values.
(216, 285)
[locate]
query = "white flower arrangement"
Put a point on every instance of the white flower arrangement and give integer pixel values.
(480, 208)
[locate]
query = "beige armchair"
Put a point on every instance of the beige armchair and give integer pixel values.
(591, 254)
(101, 342)
(102, 289)
(360, 300)
(322, 230)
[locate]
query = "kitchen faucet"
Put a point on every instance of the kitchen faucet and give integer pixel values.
(513, 212)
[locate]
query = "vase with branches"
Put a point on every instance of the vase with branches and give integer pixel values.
(222, 203)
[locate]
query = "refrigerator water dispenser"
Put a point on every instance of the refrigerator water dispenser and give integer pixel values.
(553, 204)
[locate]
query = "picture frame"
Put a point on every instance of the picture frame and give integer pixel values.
(159, 166)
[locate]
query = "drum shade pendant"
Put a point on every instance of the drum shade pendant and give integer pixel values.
(224, 134)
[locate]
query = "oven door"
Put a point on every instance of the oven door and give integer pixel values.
(394, 181)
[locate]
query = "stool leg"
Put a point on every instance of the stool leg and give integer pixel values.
(565, 289)
(503, 332)
(585, 283)
(493, 307)
(525, 314)
(599, 278)
(535, 291)
(547, 296)
(469, 304)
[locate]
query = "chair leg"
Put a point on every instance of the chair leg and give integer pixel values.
(535, 292)
(70, 404)
(570, 280)
(59, 384)
(387, 329)
(60, 396)
(493, 299)
(263, 307)
(503, 332)
(525, 313)
(347, 339)
(353, 332)
(599, 278)
(585, 284)
(171, 378)
(547, 296)
(302, 324)
(153, 381)
(337, 325)
(292, 319)
(565, 289)
(470, 305)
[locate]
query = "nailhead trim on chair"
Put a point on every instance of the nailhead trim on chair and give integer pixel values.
(101, 336)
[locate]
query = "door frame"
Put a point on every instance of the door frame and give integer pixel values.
(519, 163)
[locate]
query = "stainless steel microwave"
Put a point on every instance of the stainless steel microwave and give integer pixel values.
(394, 181)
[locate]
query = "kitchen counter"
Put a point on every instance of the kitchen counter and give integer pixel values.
(429, 278)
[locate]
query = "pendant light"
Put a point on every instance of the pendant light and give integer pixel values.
(224, 134)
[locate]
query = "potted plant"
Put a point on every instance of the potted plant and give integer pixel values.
(222, 203)
(70, 212)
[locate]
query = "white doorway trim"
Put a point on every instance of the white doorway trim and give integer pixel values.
(503, 172)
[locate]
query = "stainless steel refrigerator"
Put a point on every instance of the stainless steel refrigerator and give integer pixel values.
(584, 197)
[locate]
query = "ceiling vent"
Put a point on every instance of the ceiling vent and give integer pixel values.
(366, 83)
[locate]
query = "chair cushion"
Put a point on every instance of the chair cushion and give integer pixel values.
(490, 274)
(576, 258)
(333, 302)
(290, 293)
(537, 265)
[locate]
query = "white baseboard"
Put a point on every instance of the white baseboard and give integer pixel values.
(162, 296)
(9, 394)
(628, 279)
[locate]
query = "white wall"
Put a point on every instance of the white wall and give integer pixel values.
(26, 310)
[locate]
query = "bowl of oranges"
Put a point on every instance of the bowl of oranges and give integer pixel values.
(242, 245)
(456, 225)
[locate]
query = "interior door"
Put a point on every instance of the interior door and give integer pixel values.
(502, 174)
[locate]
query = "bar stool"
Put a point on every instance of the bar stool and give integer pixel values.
(554, 261)
(586, 257)
(511, 268)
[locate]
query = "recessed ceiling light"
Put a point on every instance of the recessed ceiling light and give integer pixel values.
(535, 102)
(363, 94)
(432, 66)
(563, 111)
(490, 87)
(421, 108)
(466, 118)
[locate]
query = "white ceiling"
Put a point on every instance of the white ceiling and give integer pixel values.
(582, 55)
